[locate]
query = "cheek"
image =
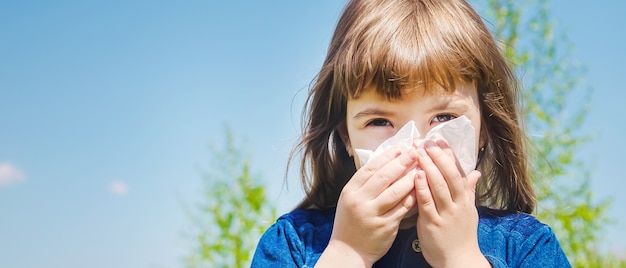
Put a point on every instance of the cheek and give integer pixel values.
(477, 131)
(370, 144)
(369, 139)
(367, 144)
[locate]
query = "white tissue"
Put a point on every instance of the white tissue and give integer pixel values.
(458, 133)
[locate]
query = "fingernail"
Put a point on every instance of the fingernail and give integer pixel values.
(429, 144)
(442, 143)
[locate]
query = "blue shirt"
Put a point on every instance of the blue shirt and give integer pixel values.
(297, 239)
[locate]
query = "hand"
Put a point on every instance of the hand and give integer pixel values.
(370, 208)
(448, 220)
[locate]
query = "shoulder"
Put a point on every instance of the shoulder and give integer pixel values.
(510, 239)
(312, 227)
(505, 221)
(296, 239)
(306, 219)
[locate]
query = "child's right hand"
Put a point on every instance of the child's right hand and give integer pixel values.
(370, 209)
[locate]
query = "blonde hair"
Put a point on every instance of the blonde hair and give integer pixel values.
(394, 46)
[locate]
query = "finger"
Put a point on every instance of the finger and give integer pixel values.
(436, 181)
(396, 192)
(443, 157)
(425, 204)
(446, 148)
(389, 173)
(401, 208)
(364, 173)
(472, 181)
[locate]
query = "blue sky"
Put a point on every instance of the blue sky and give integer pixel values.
(107, 110)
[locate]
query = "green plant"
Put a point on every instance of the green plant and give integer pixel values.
(555, 104)
(233, 213)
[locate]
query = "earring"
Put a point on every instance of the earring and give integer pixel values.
(349, 150)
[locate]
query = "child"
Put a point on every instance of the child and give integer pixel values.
(426, 61)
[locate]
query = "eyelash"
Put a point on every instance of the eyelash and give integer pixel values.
(381, 122)
(377, 122)
(448, 117)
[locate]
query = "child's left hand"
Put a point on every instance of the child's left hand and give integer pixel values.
(448, 220)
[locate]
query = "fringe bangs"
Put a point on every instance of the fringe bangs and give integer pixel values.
(409, 53)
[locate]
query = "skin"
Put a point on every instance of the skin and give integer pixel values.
(380, 195)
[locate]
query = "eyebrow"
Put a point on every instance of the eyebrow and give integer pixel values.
(372, 111)
(447, 105)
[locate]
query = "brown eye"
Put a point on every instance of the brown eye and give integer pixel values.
(440, 118)
(379, 122)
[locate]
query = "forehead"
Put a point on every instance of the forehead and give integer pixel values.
(370, 103)
(458, 88)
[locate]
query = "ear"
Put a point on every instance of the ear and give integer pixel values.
(342, 129)
(482, 144)
(483, 138)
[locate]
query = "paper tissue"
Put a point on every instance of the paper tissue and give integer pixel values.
(458, 133)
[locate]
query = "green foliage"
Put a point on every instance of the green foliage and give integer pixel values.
(555, 105)
(233, 213)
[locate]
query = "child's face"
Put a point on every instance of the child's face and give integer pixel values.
(371, 118)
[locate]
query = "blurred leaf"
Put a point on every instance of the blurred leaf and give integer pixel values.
(231, 212)
(553, 114)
